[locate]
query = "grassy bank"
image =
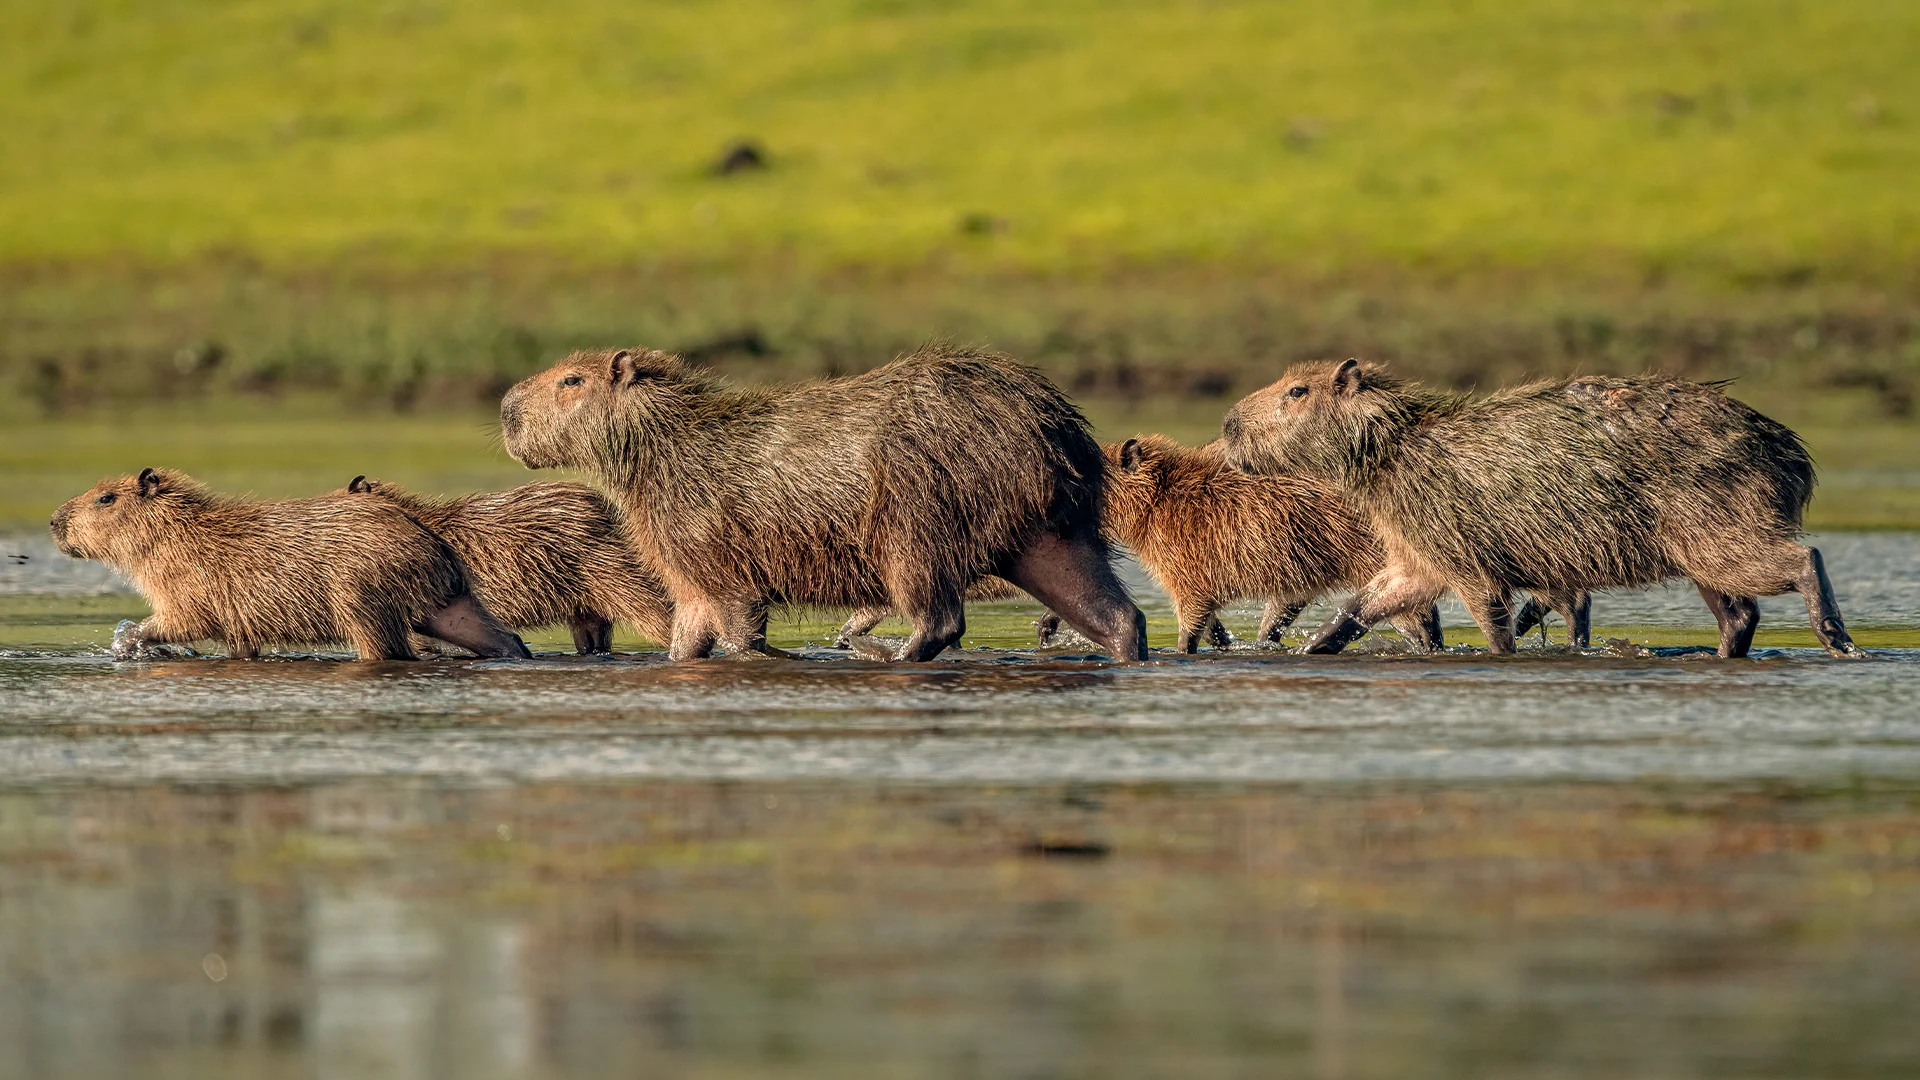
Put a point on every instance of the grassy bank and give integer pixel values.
(303, 444)
(1711, 141)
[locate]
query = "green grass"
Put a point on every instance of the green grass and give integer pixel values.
(306, 444)
(1716, 139)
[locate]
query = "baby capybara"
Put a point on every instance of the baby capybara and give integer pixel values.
(1547, 487)
(301, 572)
(543, 554)
(899, 487)
(1210, 533)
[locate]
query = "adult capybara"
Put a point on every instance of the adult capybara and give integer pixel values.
(899, 487)
(301, 572)
(543, 554)
(1210, 533)
(1546, 486)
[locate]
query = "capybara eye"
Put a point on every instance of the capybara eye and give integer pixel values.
(572, 380)
(1297, 392)
(107, 499)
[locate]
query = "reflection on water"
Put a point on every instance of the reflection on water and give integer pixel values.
(381, 928)
(998, 864)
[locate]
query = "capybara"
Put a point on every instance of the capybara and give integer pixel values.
(301, 572)
(900, 487)
(1210, 533)
(1575, 608)
(1547, 486)
(547, 553)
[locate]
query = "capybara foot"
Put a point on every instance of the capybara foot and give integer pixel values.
(1046, 630)
(1838, 642)
(465, 623)
(1337, 633)
(871, 648)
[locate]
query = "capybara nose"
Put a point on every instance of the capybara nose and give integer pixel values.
(1230, 427)
(509, 416)
(58, 525)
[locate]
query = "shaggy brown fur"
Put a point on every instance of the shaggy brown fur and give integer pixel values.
(1559, 486)
(899, 487)
(303, 572)
(1209, 533)
(547, 553)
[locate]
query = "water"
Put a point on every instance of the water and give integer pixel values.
(1634, 862)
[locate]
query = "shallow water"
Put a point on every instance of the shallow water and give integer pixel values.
(1002, 863)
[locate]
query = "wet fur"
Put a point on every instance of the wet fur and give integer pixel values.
(545, 554)
(1558, 486)
(301, 572)
(900, 487)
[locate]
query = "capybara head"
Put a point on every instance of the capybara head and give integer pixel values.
(119, 520)
(564, 416)
(1320, 419)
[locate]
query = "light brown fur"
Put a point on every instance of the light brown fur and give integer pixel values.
(545, 554)
(301, 572)
(1561, 486)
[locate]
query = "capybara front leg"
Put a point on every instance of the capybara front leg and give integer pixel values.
(1738, 617)
(1194, 616)
(383, 636)
(466, 623)
(592, 634)
(1531, 614)
(935, 628)
(1822, 610)
(1073, 578)
(743, 629)
(1217, 632)
(1421, 629)
(1045, 628)
(695, 631)
(860, 622)
(1491, 608)
(1390, 593)
(1277, 615)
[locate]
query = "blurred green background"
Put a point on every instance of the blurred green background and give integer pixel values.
(280, 242)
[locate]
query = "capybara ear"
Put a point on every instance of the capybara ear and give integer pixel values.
(358, 485)
(149, 483)
(1130, 454)
(1346, 377)
(624, 369)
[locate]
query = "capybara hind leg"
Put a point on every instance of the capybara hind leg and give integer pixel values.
(1822, 611)
(592, 634)
(464, 622)
(1738, 617)
(1579, 615)
(1074, 579)
(1491, 608)
(1277, 615)
(1390, 593)
(860, 622)
(743, 629)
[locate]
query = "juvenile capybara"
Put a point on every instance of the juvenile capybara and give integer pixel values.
(899, 487)
(544, 554)
(1210, 533)
(1550, 486)
(300, 572)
